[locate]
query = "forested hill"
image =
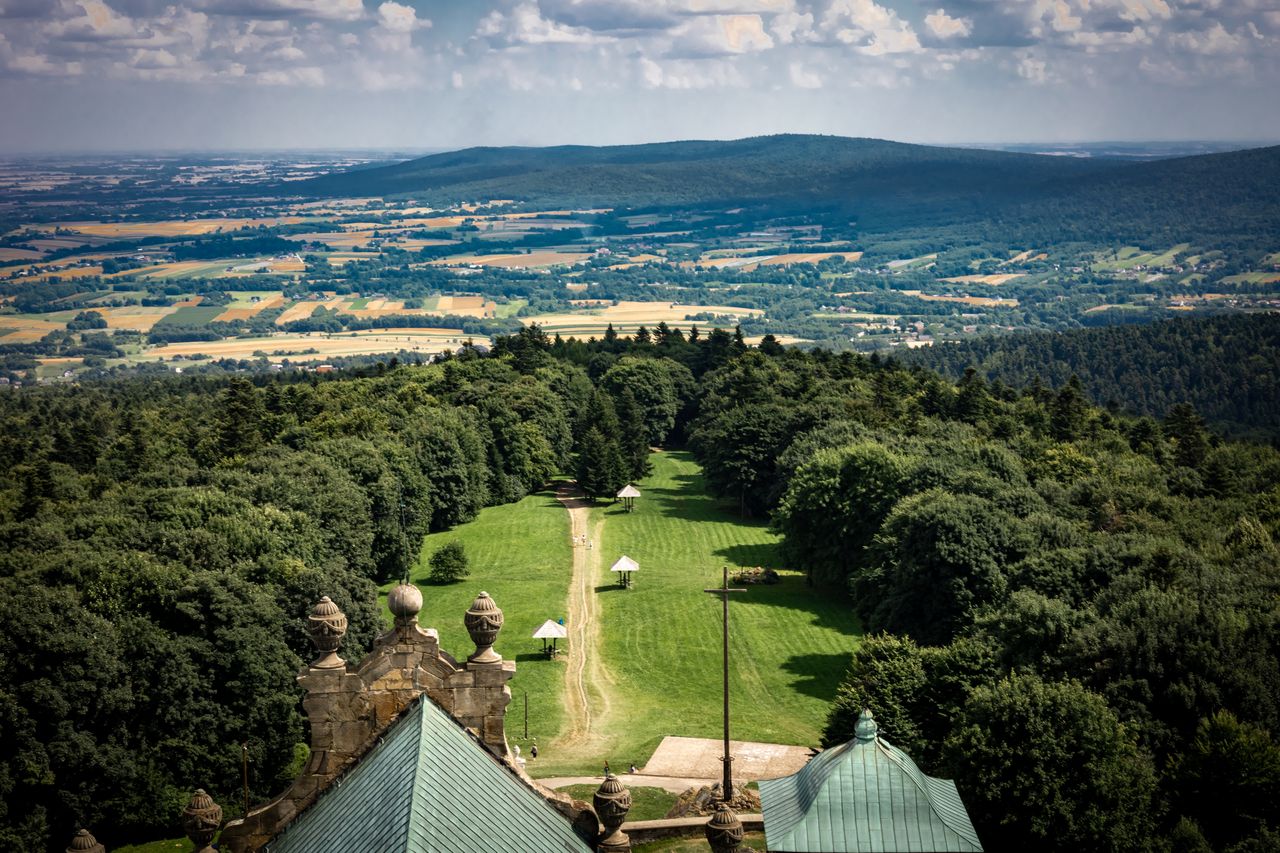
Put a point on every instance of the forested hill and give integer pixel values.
(822, 169)
(882, 184)
(1227, 367)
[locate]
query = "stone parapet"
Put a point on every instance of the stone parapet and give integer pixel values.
(349, 705)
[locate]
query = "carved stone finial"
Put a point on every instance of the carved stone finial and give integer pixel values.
(405, 602)
(866, 729)
(201, 819)
(327, 625)
(84, 842)
(484, 621)
(724, 831)
(612, 801)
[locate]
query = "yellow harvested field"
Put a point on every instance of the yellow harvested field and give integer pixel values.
(631, 315)
(244, 312)
(963, 300)
(27, 329)
(747, 264)
(516, 261)
(139, 318)
(785, 340)
(997, 279)
(65, 274)
(576, 288)
(466, 306)
(165, 228)
(808, 258)
(304, 309)
(173, 270)
(292, 346)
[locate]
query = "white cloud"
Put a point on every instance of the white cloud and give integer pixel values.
(719, 35)
(685, 74)
(1032, 69)
(803, 78)
(400, 18)
(325, 10)
(1213, 41)
(944, 26)
(526, 25)
(1145, 10)
(871, 28)
(792, 26)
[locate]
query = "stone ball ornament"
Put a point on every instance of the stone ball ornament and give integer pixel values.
(201, 819)
(405, 603)
(484, 621)
(327, 624)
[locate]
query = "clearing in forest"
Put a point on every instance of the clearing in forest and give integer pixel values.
(644, 662)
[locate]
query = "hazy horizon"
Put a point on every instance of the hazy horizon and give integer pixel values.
(223, 75)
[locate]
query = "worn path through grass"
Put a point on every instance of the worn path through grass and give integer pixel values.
(649, 656)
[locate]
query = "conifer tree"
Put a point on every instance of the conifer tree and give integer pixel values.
(633, 441)
(601, 470)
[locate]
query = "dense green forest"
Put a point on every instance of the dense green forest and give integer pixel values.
(1228, 367)
(883, 185)
(1072, 612)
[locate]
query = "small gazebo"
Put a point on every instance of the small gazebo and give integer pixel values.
(624, 567)
(629, 493)
(550, 630)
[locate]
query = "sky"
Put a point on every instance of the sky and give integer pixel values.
(87, 75)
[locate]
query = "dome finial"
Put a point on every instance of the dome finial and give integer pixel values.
(866, 729)
(327, 625)
(484, 621)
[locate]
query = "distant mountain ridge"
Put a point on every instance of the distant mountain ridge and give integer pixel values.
(883, 184)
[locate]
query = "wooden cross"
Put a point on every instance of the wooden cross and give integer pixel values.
(723, 591)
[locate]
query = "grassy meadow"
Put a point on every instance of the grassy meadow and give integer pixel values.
(661, 639)
(789, 644)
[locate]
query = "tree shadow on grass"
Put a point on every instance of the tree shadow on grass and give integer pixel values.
(819, 675)
(767, 554)
(829, 607)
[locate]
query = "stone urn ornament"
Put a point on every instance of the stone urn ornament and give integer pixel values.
(612, 801)
(200, 820)
(484, 621)
(724, 831)
(84, 842)
(326, 624)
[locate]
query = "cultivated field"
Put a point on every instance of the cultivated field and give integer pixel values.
(997, 279)
(751, 262)
(163, 228)
(530, 260)
(295, 346)
(1132, 257)
(984, 301)
(629, 316)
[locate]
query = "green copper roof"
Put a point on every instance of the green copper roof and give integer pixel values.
(864, 797)
(428, 788)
